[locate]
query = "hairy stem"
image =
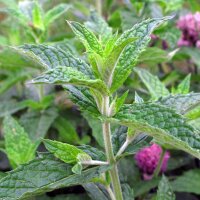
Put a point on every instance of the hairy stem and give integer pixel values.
(99, 6)
(109, 153)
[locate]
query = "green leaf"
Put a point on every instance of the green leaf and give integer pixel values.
(37, 16)
(82, 97)
(154, 85)
(66, 131)
(128, 192)
(182, 103)
(93, 152)
(50, 57)
(184, 86)
(138, 99)
(37, 123)
(65, 152)
(87, 37)
(42, 175)
(119, 137)
(128, 59)
(165, 191)
(188, 182)
(193, 113)
(55, 13)
(162, 123)
(9, 107)
(98, 25)
(23, 150)
(96, 127)
(111, 59)
(153, 55)
(67, 75)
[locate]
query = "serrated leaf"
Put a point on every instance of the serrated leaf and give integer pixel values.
(98, 25)
(50, 57)
(184, 86)
(165, 191)
(138, 99)
(87, 37)
(65, 152)
(42, 175)
(37, 16)
(131, 53)
(154, 85)
(182, 103)
(188, 182)
(55, 13)
(23, 150)
(82, 97)
(37, 123)
(162, 123)
(67, 75)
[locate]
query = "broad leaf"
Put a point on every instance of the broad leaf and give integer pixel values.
(128, 59)
(165, 191)
(42, 175)
(87, 37)
(182, 103)
(188, 182)
(67, 75)
(18, 145)
(154, 85)
(98, 25)
(50, 57)
(162, 123)
(55, 13)
(65, 152)
(37, 123)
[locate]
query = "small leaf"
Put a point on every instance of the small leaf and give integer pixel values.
(120, 101)
(182, 103)
(77, 168)
(138, 99)
(55, 13)
(154, 85)
(128, 192)
(184, 86)
(23, 150)
(162, 123)
(188, 182)
(87, 37)
(41, 175)
(37, 16)
(165, 191)
(67, 75)
(65, 152)
(128, 59)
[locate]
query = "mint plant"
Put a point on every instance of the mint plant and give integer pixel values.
(93, 87)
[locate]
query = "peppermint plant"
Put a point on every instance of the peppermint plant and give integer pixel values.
(93, 86)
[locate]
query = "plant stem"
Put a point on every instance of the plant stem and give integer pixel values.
(109, 152)
(157, 170)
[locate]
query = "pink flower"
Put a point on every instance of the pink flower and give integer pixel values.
(148, 158)
(190, 27)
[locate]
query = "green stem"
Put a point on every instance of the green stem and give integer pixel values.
(157, 170)
(109, 153)
(41, 92)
